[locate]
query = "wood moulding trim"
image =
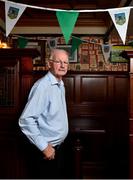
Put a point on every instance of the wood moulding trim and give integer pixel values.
(56, 30)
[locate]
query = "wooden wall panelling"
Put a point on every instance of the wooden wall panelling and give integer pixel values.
(93, 93)
(97, 111)
(131, 122)
(26, 79)
(97, 123)
(70, 89)
(129, 55)
(12, 95)
(131, 96)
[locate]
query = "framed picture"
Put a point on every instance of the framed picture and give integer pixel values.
(33, 44)
(40, 46)
(115, 56)
(72, 56)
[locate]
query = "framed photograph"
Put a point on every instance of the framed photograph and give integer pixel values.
(72, 56)
(40, 46)
(115, 56)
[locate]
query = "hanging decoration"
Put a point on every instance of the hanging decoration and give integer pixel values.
(67, 18)
(52, 42)
(120, 19)
(67, 21)
(75, 43)
(12, 14)
(106, 49)
(22, 42)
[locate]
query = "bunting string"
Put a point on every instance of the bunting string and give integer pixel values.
(47, 38)
(52, 9)
(67, 18)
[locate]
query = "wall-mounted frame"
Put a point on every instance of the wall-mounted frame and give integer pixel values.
(68, 48)
(34, 44)
(40, 46)
(115, 56)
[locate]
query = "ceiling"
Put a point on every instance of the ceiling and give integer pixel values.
(39, 21)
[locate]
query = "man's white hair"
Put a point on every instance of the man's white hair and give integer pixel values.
(54, 51)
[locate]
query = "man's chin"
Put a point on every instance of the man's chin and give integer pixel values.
(62, 73)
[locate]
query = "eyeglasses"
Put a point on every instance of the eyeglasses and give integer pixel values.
(60, 62)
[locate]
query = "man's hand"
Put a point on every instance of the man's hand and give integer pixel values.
(49, 152)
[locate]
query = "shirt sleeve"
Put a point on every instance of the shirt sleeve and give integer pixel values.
(28, 121)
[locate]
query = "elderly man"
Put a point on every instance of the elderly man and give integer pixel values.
(44, 119)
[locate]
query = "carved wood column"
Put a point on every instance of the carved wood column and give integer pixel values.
(129, 55)
(78, 149)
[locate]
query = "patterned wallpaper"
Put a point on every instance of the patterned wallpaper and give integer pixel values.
(89, 56)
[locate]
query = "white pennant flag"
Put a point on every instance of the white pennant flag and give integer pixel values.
(120, 18)
(106, 49)
(12, 13)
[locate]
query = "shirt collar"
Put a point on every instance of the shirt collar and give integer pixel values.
(53, 79)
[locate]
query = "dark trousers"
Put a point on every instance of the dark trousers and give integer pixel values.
(53, 169)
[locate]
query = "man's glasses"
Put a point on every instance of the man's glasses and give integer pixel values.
(60, 62)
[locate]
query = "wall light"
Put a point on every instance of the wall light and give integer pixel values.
(3, 45)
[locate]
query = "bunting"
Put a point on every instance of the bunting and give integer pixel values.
(106, 49)
(52, 43)
(22, 42)
(67, 21)
(120, 19)
(12, 14)
(75, 43)
(67, 18)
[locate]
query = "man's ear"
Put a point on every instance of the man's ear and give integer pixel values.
(48, 64)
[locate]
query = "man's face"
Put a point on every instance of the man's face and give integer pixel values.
(59, 64)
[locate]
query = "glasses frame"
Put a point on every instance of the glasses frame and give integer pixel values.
(59, 62)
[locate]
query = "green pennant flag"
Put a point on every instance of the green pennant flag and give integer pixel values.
(67, 21)
(22, 42)
(75, 43)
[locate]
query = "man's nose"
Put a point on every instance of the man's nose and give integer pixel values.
(62, 64)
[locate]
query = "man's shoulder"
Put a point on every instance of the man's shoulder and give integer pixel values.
(42, 82)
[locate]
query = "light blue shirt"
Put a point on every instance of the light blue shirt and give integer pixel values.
(44, 118)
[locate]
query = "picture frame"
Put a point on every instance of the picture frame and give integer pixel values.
(115, 55)
(72, 56)
(40, 46)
